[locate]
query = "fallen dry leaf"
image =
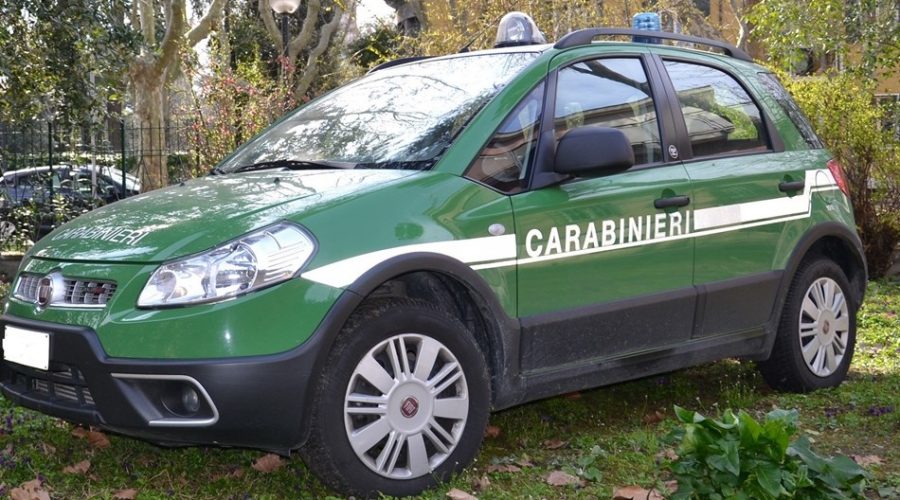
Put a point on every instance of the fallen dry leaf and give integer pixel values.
(80, 432)
(47, 449)
(636, 493)
(573, 396)
(457, 494)
(481, 484)
(32, 490)
(668, 454)
(654, 418)
(268, 463)
(554, 444)
(503, 468)
(560, 478)
(866, 460)
(97, 439)
(671, 486)
(79, 468)
(128, 494)
(238, 473)
(524, 462)
(492, 431)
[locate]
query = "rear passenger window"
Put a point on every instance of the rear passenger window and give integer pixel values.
(721, 117)
(611, 93)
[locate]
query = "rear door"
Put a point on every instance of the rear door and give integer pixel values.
(602, 272)
(747, 194)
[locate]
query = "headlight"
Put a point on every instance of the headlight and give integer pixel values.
(259, 259)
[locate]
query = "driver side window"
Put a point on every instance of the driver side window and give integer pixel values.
(504, 162)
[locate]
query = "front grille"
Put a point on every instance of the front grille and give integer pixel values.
(73, 293)
(63, 385)
(88, 293)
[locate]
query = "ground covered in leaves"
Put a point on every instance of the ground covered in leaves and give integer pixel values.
(584, 445)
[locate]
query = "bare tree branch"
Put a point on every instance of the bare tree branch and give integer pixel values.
(302, 40)
(737, 8)
(134, 17)
(212, 17)
(168, 49)
(311, 70)
(268, 18)
(148, 22)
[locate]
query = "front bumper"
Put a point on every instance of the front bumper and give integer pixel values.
(255, 401)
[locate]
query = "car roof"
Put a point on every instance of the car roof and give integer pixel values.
(585, 38)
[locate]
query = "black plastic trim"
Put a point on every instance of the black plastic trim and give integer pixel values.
(586, 36)
(606, 371)
(238, 387)
(503, 330)
(737, 304)
(398, 62)
(850, 240)
(608, 329)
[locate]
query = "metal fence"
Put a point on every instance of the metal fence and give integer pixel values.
(87, 160)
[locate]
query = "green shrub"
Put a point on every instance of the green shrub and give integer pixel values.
(842, 110)
(738, 457)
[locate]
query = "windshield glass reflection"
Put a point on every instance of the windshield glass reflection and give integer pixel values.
(400, 117)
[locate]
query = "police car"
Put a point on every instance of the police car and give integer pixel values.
(366, 280)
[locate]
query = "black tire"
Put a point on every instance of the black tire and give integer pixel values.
(329, 453)
(787, 369)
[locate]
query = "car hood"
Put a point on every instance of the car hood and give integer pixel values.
(200, 214)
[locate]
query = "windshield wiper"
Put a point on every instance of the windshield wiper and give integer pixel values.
(288, 164)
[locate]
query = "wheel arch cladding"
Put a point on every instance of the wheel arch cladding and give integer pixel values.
(458, 290)
(837, 242)
(828, 239)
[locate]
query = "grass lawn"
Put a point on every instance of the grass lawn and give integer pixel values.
(618, 430)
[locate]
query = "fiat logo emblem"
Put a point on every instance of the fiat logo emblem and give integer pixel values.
(409, 407)
(44, 291)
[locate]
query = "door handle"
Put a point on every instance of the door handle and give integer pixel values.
(791, 186)
(674, 201)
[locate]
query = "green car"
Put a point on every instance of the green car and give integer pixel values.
(366, 280)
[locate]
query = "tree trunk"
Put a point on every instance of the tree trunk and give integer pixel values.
(148, 111)
(410, 15)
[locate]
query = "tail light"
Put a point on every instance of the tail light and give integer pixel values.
(838, 173)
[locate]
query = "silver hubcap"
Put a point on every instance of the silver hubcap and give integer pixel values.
(406, 406)
(824, 327)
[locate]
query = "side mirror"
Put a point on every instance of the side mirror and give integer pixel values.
(593, 151)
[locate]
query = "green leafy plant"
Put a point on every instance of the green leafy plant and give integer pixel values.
(738, 457)
(587, 464)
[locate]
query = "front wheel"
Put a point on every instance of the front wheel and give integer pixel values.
(817, 332)
(402, 404)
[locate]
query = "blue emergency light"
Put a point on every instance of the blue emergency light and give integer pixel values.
(646, 21)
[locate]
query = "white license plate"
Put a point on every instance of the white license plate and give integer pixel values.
(27, 347)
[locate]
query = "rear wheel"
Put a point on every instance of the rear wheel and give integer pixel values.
(817, 332)
(402, 403)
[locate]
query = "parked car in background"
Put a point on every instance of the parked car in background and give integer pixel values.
(74, 182)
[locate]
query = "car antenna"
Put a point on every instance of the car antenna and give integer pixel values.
(479, 35)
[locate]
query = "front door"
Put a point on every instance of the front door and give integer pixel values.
(602, 272)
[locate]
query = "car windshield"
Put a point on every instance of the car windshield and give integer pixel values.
(399, 117)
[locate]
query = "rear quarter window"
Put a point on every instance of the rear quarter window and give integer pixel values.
(790, 108)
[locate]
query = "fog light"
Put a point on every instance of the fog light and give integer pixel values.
(190, 400)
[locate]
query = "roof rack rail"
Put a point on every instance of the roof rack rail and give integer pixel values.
(398, 62)
(585, 36)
